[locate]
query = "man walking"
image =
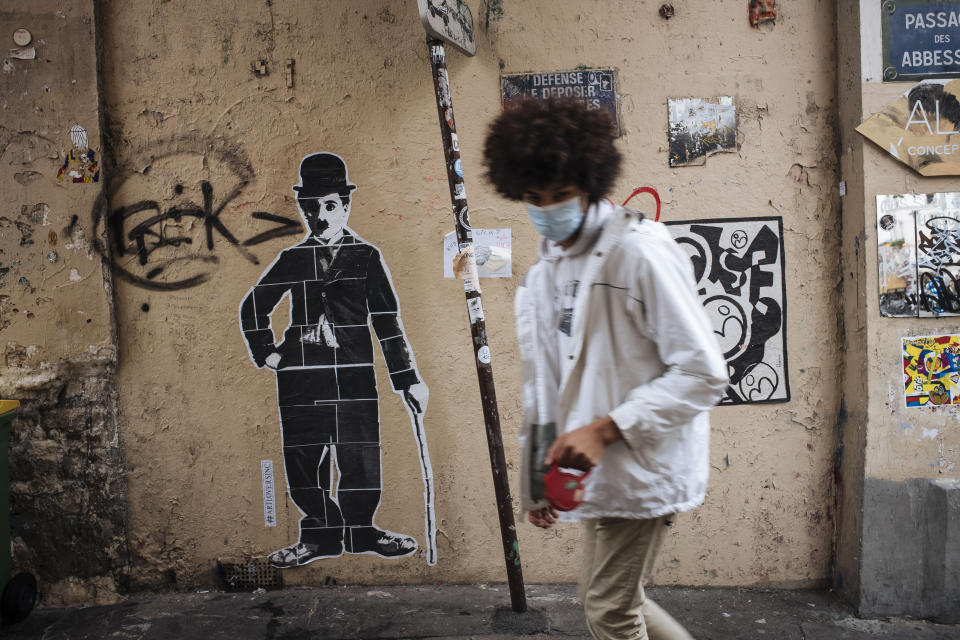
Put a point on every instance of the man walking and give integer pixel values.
(326, 383)
(620, 363)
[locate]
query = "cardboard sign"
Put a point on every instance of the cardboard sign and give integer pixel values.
(921, 128)
(921, 39)
(450, 21)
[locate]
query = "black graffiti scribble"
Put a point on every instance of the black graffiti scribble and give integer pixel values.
(751, 379)
(150, 235)
(132, 234)
(938, 257)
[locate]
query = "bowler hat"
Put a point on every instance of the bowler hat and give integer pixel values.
(323, 173)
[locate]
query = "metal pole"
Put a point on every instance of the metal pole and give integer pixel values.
(478, 328)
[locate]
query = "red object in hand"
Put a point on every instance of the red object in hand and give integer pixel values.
(563, 490)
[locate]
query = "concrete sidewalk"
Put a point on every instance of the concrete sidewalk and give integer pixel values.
(481, 612)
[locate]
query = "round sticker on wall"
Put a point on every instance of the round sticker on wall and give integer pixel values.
(458, 167)
(483, 355)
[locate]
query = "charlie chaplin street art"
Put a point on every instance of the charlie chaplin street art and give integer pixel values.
(339, 289)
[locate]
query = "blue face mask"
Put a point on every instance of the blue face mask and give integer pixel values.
(557, 221)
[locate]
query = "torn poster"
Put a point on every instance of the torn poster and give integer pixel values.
(700, 127)
(739, 270)
(763, 12)
(918, 254)
(492, 250)
(921, 128)
(931, 370)
(897, 253)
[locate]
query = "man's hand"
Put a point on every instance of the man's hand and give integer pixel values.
(582, 448)
(416, 397)
(543, 518)
(272, 360)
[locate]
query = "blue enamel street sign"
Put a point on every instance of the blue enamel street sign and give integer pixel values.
(921, 39)
(596, 87)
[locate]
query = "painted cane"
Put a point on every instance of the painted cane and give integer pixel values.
(430, 519)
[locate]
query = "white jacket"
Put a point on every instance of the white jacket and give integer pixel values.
(646, 355)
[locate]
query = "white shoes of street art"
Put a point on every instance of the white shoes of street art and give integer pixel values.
(372, 540)
(302, 553)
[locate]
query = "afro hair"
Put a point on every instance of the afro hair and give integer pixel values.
(561, 142)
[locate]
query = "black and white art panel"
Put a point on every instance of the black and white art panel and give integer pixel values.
(739, 268)
(340, 295)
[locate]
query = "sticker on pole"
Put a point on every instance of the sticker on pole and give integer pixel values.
(450, 21)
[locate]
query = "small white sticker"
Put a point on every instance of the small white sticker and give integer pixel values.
(455, 141)
(459, 191)
(468, 285)
(843, 187)
(269, 501)
(483, 355)
(475, 306)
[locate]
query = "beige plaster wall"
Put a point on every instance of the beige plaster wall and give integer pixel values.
(183, 105)
(54, 300)
(57, 329)
(852, 424)
(901, 443)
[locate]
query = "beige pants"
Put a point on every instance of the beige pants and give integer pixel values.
(617, 561)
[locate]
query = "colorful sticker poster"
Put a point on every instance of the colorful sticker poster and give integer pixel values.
(738, 266)
(80, 162)
(492, 249)
(918, 254)
(700, 127)
(931, 370)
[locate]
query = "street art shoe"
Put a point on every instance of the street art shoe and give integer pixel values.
(383, 543)
(301, 553)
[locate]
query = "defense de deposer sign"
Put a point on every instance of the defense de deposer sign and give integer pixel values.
(595, 87)
(920, 39)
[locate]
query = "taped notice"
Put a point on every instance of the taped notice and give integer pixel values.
(465, 266)
(269, 500)
(492, 253)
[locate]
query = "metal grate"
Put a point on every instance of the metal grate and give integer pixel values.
(248, 575)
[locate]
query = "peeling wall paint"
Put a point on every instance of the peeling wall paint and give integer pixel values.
(57, 347)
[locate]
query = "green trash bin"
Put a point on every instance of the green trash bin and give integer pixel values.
(19, 592)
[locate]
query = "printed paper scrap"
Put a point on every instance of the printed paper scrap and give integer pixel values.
(700, 127)
(492, 250)
(931, 370)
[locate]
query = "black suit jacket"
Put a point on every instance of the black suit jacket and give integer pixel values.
(347, 285)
